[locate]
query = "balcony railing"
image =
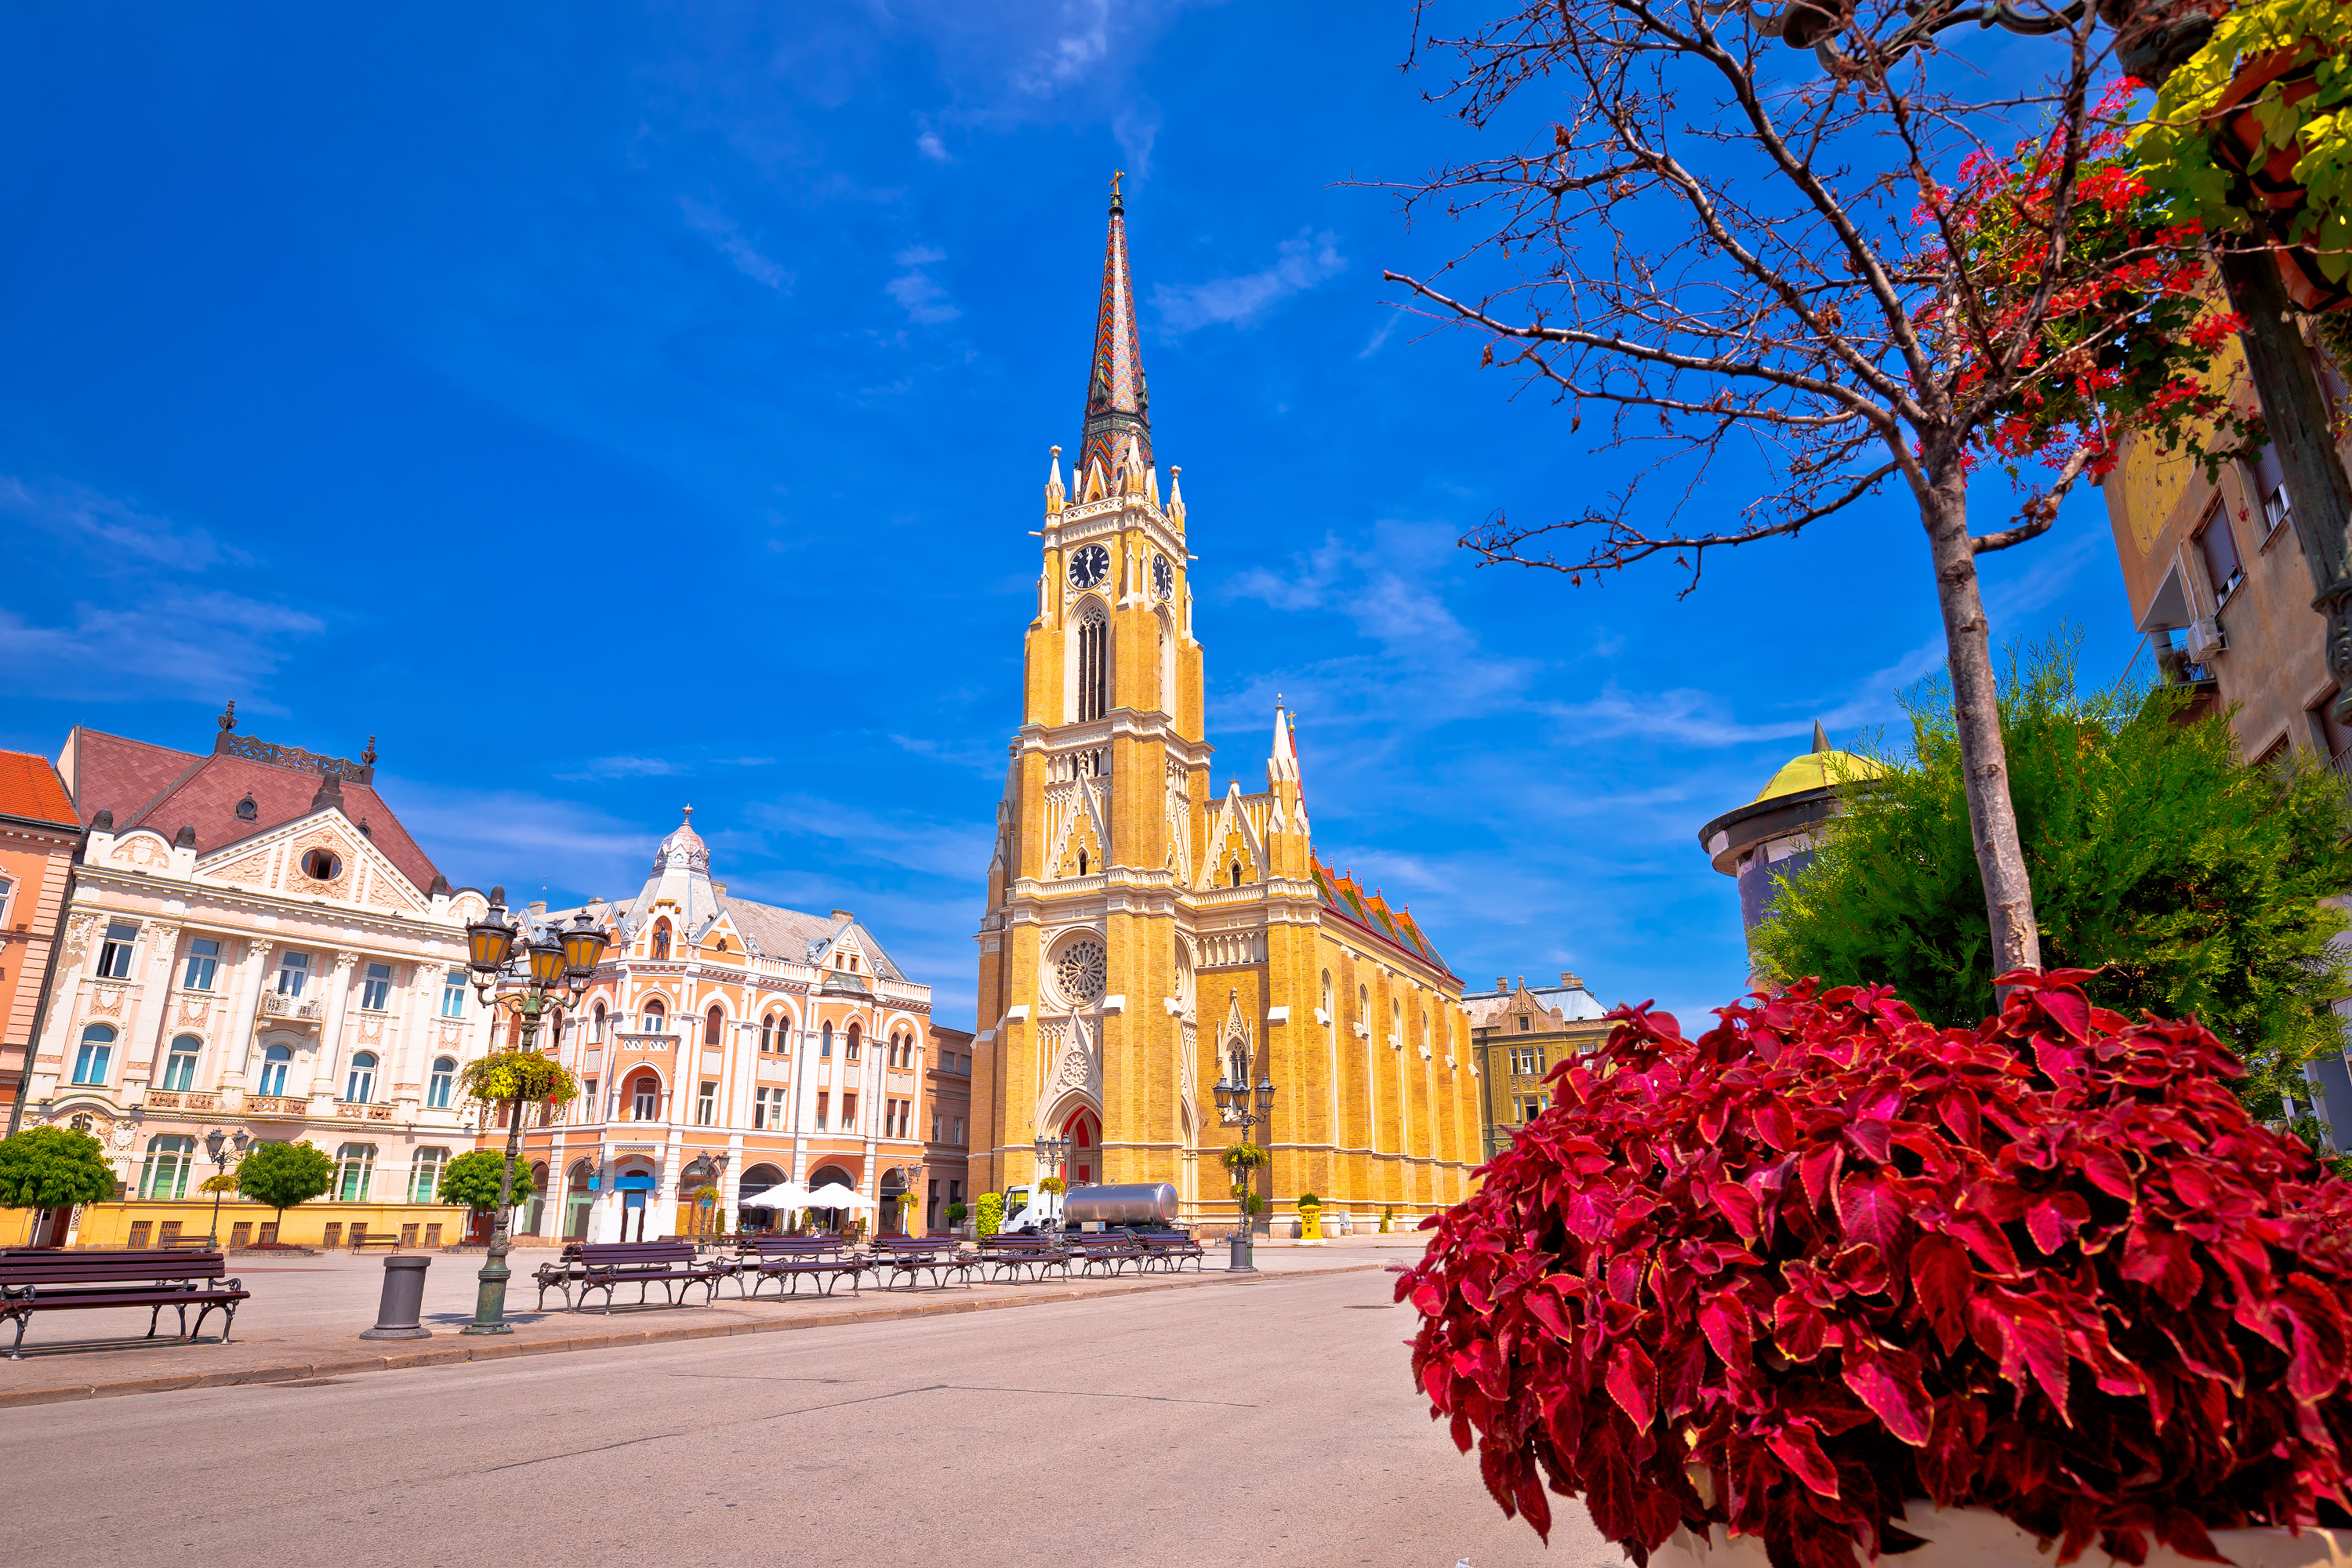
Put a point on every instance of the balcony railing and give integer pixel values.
(646, 1042)
(180, 1099)
(276, 1005)
(277, 1105)
(363, 1110)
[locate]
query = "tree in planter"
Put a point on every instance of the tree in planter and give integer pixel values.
(283, 1177)
(955, 1211)
(1745, 262)
(53, 1168)
(990, 1214)
(2195, 884)
(473, 1180)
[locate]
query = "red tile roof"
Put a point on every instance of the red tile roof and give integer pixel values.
(154, 787)
(30, 788)
(1345, 897)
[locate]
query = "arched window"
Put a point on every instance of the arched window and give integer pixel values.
(424, 1175)
(354, 1171)
(767, 1034)
(661, 939)
(1396, 1021)
(273, 1069)
(437, 1089)
(1082, 862)
(1327, 994)
(851, 1053)
(645, 1099)
(783, 1034)
(713, 1024)
(1237, 873)
(97, 1049)
(825, 1042)
(656, 1015)
(361, 1085)
(180, 1067)
(1094, 663)
(596, 1025)
(165, 1173)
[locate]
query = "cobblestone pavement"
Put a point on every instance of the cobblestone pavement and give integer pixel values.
(1267, 1422)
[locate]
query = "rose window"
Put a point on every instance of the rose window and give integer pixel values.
(1080, 971)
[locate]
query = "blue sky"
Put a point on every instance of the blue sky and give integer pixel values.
(609, 409)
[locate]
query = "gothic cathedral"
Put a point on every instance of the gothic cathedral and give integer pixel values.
(1145, 939)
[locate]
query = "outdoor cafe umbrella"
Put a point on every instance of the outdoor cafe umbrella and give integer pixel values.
(783, 1196)
(838, 1195)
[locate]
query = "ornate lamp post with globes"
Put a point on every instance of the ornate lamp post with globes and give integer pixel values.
(1239, 1106)
(548, 967)
(219, 1146)
(1051, 1152)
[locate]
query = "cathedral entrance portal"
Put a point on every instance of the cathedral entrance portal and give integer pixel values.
(1084, 1166)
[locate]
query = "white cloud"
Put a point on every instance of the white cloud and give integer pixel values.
(207, 646)
(929, 145)
(117, 532)
(1300, 264)
(1379, 337)
(1136, 127)
(723, 233)
(1081, 39)
(917, 292)
(626, 768)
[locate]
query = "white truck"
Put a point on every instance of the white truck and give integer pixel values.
(1141, 1206)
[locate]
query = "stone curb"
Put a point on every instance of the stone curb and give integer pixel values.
(502, 1350)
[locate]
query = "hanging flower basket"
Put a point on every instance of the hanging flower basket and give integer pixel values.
(2249, 130)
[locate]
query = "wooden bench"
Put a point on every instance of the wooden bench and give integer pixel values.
(1170, 1249)
(82, 1281)
(1006, 1255)
(908, 1256)
(370, 1242)
(669, 1263)
(1107, 1250)
(789, 1259)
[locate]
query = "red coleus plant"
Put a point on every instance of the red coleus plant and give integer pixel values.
(1827, 1257)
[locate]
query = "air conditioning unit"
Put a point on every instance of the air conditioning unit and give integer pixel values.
(2205, 639)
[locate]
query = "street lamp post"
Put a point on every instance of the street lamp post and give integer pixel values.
(220, 1146)
(550, 966)
(1051, 1152)
(1238, 1105)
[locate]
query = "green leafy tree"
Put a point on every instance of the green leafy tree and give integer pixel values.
(472, 1180)
(2196, 884)
(284, 1175)
(53, 1167)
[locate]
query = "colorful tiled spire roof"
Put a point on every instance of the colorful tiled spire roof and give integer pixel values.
(1117, 407)
(1345, 897)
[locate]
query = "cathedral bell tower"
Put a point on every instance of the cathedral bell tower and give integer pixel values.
(1094, 834)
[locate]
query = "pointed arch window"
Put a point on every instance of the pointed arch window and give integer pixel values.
(714, 1024)
(1094, 663)
(850, 1052)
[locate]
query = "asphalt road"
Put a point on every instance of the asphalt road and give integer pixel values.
(1269, 1423)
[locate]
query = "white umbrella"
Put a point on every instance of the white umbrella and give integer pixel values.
(783, 1196)
(835, 1196)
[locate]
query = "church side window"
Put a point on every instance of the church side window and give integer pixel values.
(1093, 664)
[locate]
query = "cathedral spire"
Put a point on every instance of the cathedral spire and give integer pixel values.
(1117, 407)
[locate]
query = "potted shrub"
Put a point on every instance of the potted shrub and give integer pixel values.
(989, 1215)
(955, 1211)
(1310, 1217)
(1829, 1279)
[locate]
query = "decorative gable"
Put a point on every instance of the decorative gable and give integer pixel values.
(323, 855)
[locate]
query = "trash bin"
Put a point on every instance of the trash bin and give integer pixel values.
(403, 1300)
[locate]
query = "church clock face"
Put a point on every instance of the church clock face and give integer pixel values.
(1163, 576)
(1090, 566)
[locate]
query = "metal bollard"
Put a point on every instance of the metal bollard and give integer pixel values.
(1241, 1246)
(403, 1300)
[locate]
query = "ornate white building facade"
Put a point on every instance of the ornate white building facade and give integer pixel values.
(254, 945)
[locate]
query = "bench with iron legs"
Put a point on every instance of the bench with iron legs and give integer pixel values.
(909, 1257)
(1104, 1251)
(789, 1259)
(1006, 1255)
(604, 1266)
(378, 1241)
(34, 1282)
(1169, 1249)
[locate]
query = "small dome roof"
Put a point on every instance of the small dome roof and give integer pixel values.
(1817, 769)
(683, 848)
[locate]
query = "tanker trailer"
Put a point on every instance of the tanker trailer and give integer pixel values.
(1137, 1205)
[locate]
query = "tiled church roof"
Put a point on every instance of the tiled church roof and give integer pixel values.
(1345, 897)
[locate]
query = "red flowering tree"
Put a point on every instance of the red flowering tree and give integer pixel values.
(1826, 1257)
(2126, 336)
